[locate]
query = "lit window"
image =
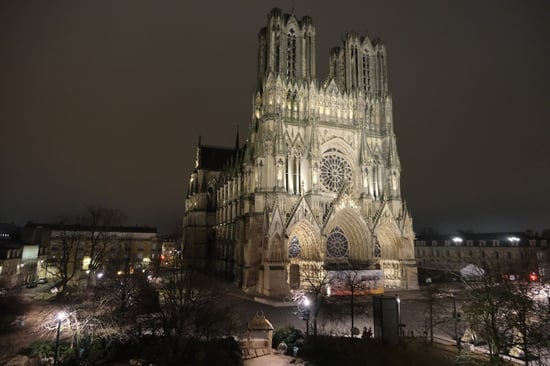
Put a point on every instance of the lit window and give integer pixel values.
(86, 262)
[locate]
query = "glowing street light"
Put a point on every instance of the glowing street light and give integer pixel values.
(60, 317)
(513, 239)
(457, 240)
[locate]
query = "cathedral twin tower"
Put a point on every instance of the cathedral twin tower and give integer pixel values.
(316, 187)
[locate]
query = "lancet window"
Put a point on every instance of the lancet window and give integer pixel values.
(366, 73)
(293, 173)
(277, 44)
(354, 66)
(291, 54)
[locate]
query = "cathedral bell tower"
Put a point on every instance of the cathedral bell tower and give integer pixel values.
(286, 48)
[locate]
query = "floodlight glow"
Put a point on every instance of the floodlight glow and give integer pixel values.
(513, 239)
(306, 301)
(456, 239)
(61, 315)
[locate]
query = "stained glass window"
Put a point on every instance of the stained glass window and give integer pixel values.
(335, 170)
(337, 244)
(294, 248)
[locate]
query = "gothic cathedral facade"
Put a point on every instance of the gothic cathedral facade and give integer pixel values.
(317, 182)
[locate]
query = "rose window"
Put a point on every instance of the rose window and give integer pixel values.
(337, 244)
(335, 171)
(294, 248)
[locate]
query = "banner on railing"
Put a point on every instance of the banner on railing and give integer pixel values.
(358, 282)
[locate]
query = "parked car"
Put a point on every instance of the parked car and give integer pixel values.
(32, 284)
(42, 280)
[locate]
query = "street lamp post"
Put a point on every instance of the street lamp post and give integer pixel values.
(305, 314)
(456, 318)
(60, 317)
(399, 325)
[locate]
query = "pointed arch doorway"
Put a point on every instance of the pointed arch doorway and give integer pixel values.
(303, 246)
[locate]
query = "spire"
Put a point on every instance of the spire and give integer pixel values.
(198, 154)
(393, 158)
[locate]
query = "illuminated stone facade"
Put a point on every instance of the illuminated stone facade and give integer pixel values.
(318, 179)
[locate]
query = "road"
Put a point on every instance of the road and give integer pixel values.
(336, 319)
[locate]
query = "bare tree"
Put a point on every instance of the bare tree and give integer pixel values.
(120, 277)
(316, 282)
(192, 309)
(99, 222)
(436, 309)
(486, 312)
(66, 249)
(506, 315)
(355, 284)
(83, 325)
(527, 319)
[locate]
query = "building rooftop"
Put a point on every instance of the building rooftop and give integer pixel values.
(213, 158)
(79, 227)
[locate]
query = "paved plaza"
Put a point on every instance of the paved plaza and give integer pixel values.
(273, 360)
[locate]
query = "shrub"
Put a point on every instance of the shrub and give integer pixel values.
(290, 335)
(44, 349)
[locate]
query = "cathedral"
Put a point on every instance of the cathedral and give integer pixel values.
(316, 183)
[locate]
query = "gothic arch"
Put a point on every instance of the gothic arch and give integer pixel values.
(339, 144)
(350, 221)
(390, 242)
(308, 239)
(337, 162)
(276, 249)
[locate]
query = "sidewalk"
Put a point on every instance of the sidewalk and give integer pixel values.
(403, 294)
(261, 299)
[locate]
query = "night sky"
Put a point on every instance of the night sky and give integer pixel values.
(102, 102)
